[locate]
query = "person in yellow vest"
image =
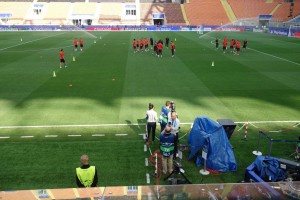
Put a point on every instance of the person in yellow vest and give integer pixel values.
(86, 175)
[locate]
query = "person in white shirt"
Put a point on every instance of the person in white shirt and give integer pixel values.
(151, 117)
(175, 124)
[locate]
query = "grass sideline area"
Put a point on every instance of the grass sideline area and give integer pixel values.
(109, 84)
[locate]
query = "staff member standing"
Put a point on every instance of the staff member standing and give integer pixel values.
(175, 124)
(167, 149)
(165, 115)
(86, 175)
(172, 48)
(151, 117)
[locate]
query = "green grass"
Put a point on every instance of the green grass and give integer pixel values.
(261, 84)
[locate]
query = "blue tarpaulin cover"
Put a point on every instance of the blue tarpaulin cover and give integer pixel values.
(206, 132)
(268, 168)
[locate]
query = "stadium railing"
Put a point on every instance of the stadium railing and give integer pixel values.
(201, 191)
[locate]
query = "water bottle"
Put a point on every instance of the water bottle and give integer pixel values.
(148, 178)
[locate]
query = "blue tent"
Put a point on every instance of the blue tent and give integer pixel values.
(206, 132)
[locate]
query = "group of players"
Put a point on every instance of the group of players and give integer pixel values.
(62, 53)
(235, 45)
(141, 45)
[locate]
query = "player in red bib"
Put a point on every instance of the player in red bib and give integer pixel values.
(146, 44)
(141, 45)
(134, 45)
(137, 45)
(225, 39)
(224, 46)
(160, 48)
(237, 47)
(75, 44)
(81, 44)
(62, 58)
(172, 48)
(231, 45)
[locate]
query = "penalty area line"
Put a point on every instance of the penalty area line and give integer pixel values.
(275, 56)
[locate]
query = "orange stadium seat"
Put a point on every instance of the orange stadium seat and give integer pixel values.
(206, 12)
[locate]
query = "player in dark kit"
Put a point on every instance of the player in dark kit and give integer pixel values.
(245, 42)
(155, 52)
(217, 43)
(160, 41)
(151, 42)
(167, 42)
(172, 48)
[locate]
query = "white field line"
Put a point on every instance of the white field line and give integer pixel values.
(183, 136)
(275, 57)
(296, 125)
(29, 50)
(4, 137)
(150, 151)
(123, 134)
(21, 43)
(27, 136)
(212, 42)
(135, 124)
(74, 135)
(242, 127)
(253, 125)
(49, 136)
(98, 135)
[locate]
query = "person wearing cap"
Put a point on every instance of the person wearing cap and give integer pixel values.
(151, 117)
(167, 149)
(86, 175)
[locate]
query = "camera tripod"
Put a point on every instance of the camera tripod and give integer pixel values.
(178, 170)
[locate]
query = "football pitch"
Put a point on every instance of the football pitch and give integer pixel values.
(97, 104)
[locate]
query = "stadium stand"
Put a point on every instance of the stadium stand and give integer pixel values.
(84, 8)
(172, 13)
(251, 9)
(57, 12)
(208, 12)
(283, 11)
(110, 13)
(18, 11)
